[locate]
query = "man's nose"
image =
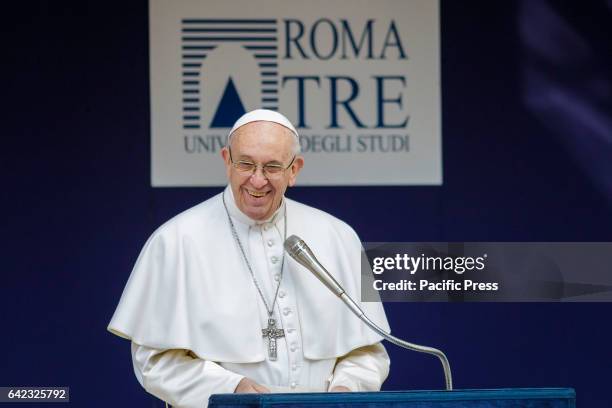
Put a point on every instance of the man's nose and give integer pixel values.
(258, 178)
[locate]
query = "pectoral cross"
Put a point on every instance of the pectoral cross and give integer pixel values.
(272, 333)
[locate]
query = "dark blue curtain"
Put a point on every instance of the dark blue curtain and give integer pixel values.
(527, 150)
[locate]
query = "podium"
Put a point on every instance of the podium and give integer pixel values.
(490, 398)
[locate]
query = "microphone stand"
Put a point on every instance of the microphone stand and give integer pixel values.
(399, 342)
(299, 251)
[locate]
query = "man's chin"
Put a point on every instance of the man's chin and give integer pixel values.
(256, 208)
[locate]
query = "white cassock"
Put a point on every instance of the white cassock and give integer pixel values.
(195, 318)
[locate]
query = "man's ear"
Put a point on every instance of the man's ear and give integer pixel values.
(295, 168)
(225, 154)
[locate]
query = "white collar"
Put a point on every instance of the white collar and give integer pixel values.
(237, 214)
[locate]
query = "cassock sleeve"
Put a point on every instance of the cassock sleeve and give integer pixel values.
(363, 369)
(180, 379)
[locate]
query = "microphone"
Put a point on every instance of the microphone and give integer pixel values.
(299, 251)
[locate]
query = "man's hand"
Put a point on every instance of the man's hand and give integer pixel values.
(248, 386)
(340, 388)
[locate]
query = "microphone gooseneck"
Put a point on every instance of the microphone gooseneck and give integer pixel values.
(299, 251)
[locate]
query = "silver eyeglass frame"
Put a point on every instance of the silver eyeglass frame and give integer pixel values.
(257, 165)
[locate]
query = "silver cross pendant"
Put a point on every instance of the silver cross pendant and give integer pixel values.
(272, 333)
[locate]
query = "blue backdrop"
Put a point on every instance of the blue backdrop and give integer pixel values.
(527, 150)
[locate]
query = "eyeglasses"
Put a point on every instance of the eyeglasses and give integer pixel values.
(269, 170)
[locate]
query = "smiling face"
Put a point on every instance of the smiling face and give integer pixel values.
(261, 142)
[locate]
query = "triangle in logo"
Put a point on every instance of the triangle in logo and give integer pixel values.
(230, 107)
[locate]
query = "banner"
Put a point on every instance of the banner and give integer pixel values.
(359, 79)
(487, 272)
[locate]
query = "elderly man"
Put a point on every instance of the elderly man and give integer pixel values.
(213, 305)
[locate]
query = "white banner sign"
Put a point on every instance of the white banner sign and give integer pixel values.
(359, 79)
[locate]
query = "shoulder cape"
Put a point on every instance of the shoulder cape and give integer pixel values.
(189, 288)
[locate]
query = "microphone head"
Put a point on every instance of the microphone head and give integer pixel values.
(292, 245)
(298, 250)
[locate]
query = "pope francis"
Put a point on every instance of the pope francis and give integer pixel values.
(213, 305)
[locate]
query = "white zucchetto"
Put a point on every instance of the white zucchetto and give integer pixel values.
(263, 115)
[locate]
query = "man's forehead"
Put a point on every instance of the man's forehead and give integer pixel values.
(263, 141)
(268, 137)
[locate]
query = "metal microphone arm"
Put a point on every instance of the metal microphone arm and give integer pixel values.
(399, 342)
(299, 251)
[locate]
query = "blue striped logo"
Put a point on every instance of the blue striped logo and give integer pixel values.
(200, 38)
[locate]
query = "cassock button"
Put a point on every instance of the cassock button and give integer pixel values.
(266, 227)
(286, 311)
(277, 277)
(293, 348)
(293, 384)
(294, 367)
(274, 259)
(270, 242)
(281, 294)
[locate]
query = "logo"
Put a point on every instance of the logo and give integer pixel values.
(361, 86)
(242, 40)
